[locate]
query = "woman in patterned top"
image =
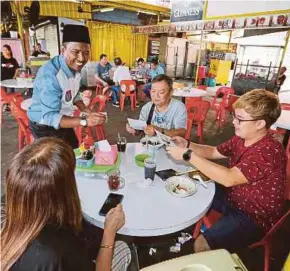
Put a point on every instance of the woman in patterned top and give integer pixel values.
(252, 199)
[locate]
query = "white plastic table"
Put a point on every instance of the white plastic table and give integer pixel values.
(13, 83)
(26, 103)
(150, 211)
(193, 92)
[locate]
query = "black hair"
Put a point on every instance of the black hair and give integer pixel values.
(8, 48)
(102, 56)
(118, 61)
(165, 78)
(154, 61)
(140, 60)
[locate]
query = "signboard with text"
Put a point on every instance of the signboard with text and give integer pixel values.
(186, 10)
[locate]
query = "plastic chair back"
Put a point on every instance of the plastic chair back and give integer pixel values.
(232, 99)
(24, 134)
(127, 87)
(226, 91)
(197, 109)
(100, 100)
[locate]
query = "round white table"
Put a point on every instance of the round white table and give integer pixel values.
(192, 92)
(26, 103)
(150, 211)
(14, 83)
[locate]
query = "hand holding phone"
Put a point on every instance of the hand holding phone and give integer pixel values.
(115, 219)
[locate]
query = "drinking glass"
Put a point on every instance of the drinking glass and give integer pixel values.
(121, 144)
(115, 182)
(149, 168)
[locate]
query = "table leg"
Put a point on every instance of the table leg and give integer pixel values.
(286, 138)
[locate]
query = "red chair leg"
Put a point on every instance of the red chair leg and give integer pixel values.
(267, 257)
(122, 100)
(188, 129)
(100, 132)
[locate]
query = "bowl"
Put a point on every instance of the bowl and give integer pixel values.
(180, 186)
(140, 158)
(155, 140)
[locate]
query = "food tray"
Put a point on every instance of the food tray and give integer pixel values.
(97, 168)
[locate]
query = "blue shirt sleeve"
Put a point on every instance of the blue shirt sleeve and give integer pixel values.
(97, 70)
(50, 99)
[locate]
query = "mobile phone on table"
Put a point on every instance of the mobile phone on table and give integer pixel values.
(166, 173)
(111, 202)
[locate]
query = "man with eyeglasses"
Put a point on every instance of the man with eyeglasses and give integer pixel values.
(56, 90)
(250, 192)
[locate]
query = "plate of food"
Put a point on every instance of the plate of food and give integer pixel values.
(153, 142)
(180, 186)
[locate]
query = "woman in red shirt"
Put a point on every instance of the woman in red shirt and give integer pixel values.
(252, 199)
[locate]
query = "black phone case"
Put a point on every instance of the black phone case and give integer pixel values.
(107, 206)
(166, 173)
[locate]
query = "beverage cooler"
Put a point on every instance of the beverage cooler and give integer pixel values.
(179, 56)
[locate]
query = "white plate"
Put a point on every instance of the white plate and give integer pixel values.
(152, 139)
(173, 183)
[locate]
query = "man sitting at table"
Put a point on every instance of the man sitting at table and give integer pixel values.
(121, 73)
(56, 90)
(163, 113)
(103, 73)
(154, 71)
(38, 51)
(252, 199)
(142, 69)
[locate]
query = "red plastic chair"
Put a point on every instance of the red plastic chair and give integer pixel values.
(196, 114)
(231, 101)
(85, 133)
(128, 89)
(6, 98)
(220, 107)
(202, 87)
(24, 134)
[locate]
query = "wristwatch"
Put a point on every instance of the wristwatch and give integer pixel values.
(187, 155)
(83, 121)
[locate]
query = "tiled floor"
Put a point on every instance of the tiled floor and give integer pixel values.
(253, 259)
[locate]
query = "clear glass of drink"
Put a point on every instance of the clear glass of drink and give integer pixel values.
(115, 181)
(121, 144)
(150, 168)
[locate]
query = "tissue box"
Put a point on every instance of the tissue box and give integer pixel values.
(107, 158)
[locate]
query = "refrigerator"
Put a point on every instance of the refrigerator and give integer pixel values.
(179, 56)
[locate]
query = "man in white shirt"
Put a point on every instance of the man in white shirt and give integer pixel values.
(121, 73)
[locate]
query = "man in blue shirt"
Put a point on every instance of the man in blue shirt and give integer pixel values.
(56, 90)
(103, 73)
(154, 71)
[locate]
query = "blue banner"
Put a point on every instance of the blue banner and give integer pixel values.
(190, 10)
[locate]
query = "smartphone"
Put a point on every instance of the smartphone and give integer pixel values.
(166, 173)
(111, 202)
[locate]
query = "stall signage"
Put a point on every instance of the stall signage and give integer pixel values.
(279, 20)
(189, 10)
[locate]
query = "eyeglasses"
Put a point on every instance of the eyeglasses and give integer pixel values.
(242, 120)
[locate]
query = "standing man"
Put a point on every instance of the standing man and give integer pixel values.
(56, 90)
(102, 73)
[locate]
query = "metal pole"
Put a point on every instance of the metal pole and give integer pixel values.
(20, 29)
(198, 59)
(284, 50)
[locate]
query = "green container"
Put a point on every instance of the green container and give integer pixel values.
(140, 158)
